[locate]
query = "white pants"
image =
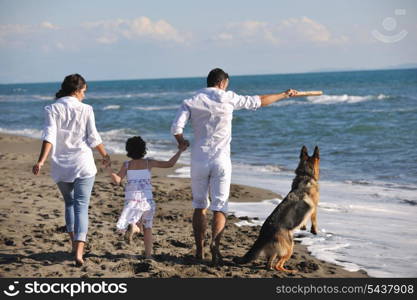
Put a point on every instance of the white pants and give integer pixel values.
(211, 178)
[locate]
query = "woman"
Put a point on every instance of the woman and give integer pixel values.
(71, 133)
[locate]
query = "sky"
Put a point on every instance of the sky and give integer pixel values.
(45, 40)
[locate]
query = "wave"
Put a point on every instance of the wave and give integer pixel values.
(183, 172)
(111, 107)
(380, 183)
(25, 98)
(261, 168)
(41, 97)
(28, 132)
(148, 95)
(345, 98)
(151, 108)
(324, 99)
(288, 103)
(17, 90)
(401, 110)
(115, 139)
(97, 96)
(329, 248)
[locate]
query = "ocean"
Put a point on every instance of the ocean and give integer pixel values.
(365, 125)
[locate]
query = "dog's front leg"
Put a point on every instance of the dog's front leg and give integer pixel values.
(314, 227)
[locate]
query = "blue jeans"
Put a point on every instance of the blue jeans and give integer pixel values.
(77, 198)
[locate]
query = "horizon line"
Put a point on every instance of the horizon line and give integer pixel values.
(237, 75)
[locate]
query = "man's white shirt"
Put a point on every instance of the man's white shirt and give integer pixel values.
(211, 114)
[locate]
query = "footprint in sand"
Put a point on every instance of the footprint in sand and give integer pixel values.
(307, 267)
(9, 242)
(27, 242)
(179, 244)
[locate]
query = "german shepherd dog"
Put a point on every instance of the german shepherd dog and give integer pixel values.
(276, 236)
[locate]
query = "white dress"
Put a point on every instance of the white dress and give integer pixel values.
(139, 204)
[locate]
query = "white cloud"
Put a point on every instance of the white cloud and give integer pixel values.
(18, 35)
(48, 37)
(251, 27)
(48, 25)
(10, 34)
(106, 39)
(17, 29)
(307, 29)
(289, 31)
(223, 37)
(110, 31)
(7, 29)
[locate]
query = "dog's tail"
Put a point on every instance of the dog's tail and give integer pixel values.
(254, 251)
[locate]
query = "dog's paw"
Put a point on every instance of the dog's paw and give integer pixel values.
(303, 227)
(313, 231)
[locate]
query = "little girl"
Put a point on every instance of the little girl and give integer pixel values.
(139, 206)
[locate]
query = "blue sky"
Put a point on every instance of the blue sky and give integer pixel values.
(103, 40)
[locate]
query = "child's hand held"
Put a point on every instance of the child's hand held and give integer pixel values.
(106, 162)
(183, 146)
(37, 168)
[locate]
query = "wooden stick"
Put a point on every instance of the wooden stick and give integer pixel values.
(308, 93)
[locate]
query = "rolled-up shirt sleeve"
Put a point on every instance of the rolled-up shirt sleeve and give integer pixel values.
(49, 130)
(93, 137)
(181, 119)
(245, 102)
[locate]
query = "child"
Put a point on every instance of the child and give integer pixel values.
(139, 207)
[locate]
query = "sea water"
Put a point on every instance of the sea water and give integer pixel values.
(365, 125)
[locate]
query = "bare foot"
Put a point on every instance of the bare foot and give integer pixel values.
(199, 254)
(136, 229)
(140, 227)
(216, 257)
(79, 262)
(131, 230)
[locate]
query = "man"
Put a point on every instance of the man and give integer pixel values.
(211, 112)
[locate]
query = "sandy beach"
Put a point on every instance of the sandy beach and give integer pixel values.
(34, 242)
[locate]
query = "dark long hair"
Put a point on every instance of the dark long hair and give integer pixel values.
(70, 85)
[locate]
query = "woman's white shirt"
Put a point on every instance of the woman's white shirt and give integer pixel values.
(70, 128)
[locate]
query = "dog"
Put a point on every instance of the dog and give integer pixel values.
(276, 236)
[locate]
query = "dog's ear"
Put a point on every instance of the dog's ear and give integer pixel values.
(304, 153)
(316, 152)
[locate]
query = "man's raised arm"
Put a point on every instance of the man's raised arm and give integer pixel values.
(271, 98)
